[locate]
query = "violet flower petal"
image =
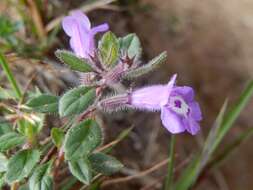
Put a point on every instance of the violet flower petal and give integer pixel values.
(100, 28)
(78, 27)
(149, 98)
(191, 126)
(77, 35)
(152, 98)
(170, 86)
(171, 121)
(81, 18)
(195, 111)
(67, 25)
(186, 92)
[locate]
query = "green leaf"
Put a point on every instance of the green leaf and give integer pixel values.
(81, 169)
(131, 45)
(57, 135)
(82, 139)
(7, 27)
(76, 100)
(41, 178)
(32, 127)
(104, 164)
(74, 62)
(150, 66)
(230, 148)
(234, 113)
(5, 65)
(68, 184)
(108, 49)
(5, 128)
(44, 103)
(21, 165)
(191, 173)
(3, 163)
(2, 181)
(11, 140)
(7, 94)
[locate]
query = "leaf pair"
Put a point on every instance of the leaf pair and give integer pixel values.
(109, 48)
(80, 142)
(108, 53)
(75, 101)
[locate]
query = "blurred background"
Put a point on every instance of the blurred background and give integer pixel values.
(209, 45)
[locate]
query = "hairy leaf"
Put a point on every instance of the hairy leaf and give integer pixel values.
(74, 62)
(41, 178)
(81, 169)
(57, 135)
(76, 100)
(5, 128)
(2, 180)
(3, 163)
(10, 140)
(108, 49)
(104, 164)
(150, 66)
(44, 103)
(82, 139)
(21, 165)
(131, 45)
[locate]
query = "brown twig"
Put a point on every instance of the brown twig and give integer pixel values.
(154, 183)
(151, 185)
(27, 87)
(58, 161)
(49, 154)
(138, 175)
(86, 113)
(107, 145)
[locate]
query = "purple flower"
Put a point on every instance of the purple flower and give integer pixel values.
(78, 27)
(179, 110)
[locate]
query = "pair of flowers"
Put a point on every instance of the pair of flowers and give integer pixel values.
(179, 111)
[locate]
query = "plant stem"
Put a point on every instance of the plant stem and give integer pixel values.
(9, 75)
(169, 178)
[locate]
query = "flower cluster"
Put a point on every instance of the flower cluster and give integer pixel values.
(179, 111)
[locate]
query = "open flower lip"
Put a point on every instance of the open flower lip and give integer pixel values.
(78, 27)
(179, 110)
